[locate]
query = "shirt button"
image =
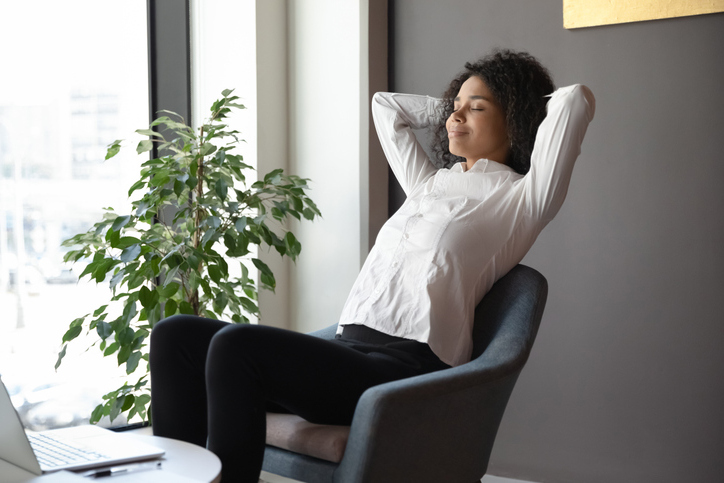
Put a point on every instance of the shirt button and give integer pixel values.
(406, 236)
(394, 264)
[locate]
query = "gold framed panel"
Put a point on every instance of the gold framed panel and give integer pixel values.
(590, 13)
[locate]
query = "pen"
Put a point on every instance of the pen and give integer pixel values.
(122, 470)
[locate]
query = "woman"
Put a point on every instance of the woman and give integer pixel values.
(410, 311)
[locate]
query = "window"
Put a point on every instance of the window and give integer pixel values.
(223, 56)
(79, 81)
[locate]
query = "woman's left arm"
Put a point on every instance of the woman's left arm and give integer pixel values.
(557, 145)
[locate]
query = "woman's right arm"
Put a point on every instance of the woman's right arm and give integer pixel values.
(395, 116)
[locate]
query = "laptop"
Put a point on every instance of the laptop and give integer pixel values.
(75, 448)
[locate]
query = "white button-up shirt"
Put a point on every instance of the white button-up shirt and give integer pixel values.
(459, 231)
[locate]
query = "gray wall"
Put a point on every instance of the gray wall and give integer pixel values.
(624, 383)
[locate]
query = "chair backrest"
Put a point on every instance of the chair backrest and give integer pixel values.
(508, 317)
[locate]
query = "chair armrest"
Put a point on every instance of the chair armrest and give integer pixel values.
(326, 333)
(436, 418)
(470, 375)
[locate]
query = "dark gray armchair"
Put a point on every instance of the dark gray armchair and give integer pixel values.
(438, 427)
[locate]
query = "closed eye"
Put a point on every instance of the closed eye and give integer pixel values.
(456, 109)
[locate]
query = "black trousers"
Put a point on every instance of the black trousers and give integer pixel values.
(213, 382)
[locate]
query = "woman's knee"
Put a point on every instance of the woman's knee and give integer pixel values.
(235, 336)
(184, 331)
(186, 324)
(237, 342)
(172, 327)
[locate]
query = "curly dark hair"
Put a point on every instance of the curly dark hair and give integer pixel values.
(519, 83)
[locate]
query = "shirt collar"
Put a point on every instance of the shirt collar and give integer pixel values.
(483, 166)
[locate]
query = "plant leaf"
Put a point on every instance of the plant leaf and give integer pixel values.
(100, 310)
(267, 277)
(61, 354)
(147, 297)
(130, 253)
(170, 308)
(137, 185)
(215, 273)
(240, 224)
(125, 337)
(123, 354)
(113, 148)
(72, 333)
(110, 349)
(132, 363)
(148, 132)
(116, 278)
(97, 414)
(170, 290)
(104, 330)
(128, 402)
(221, 188)
(120, 222)
(144, 146)
(116, 405)
(185, 308)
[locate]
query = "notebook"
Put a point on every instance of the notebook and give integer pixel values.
(74, 448)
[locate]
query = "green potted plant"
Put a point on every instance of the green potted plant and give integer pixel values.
(187, 246)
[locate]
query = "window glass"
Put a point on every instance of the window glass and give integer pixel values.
(223, 56)
(75, 78)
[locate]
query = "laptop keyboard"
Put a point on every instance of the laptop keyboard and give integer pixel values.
(52, 453)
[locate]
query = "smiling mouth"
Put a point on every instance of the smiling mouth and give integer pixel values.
(455, 134)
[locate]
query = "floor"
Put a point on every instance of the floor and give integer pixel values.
(269, 478)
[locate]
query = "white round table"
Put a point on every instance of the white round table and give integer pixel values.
(182, 460)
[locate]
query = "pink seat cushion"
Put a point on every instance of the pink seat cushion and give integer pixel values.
(290, 432)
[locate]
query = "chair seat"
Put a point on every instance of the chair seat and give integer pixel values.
(293, 433)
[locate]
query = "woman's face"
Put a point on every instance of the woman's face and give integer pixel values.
(476, 128)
